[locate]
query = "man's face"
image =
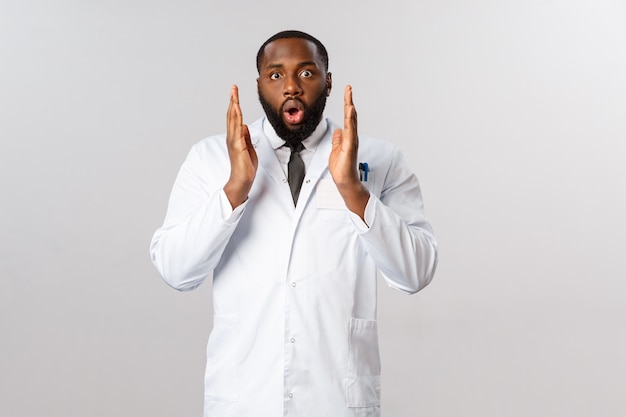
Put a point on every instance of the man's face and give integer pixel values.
(293, 86)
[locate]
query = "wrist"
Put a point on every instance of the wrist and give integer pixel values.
(237, 192)
(355, 196)
(352, 188)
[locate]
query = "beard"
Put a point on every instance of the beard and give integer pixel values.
(312, 117)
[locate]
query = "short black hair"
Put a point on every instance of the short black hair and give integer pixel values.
(287, 34)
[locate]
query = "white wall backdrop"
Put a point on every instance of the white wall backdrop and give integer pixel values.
(512, 113)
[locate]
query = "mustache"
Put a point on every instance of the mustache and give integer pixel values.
(304, 106)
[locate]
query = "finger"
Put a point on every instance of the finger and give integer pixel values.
(347, 103)
(245, 133)
(230, 114)
(230, 105)
(347, 106)
(347, 95)
(236, 106)
(349, 120)
(351, 107)
(234, 118)
(234, 92)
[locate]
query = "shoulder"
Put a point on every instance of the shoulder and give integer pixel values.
(210, 144)
(377, 147)
(216, 144)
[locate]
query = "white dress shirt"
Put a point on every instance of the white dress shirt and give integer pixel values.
(283, 152)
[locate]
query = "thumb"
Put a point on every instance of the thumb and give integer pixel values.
(246, 134)
(337, 137)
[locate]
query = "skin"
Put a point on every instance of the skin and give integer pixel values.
(291, 68)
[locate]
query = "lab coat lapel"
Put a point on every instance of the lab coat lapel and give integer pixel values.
(319, 165)
(266, 154)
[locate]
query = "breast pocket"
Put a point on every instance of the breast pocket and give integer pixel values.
(336, 216)
(221, 376)
(363, 378)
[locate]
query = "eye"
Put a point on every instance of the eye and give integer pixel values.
(306, 74)
(274, 76)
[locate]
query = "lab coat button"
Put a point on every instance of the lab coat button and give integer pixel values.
(293, 284)
(291, 395)
(292, 340)
(284, 180)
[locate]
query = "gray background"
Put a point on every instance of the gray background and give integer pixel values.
(511, 112)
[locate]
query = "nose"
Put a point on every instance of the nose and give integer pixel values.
(292, 87)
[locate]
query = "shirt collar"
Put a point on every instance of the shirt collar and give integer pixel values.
(309, 143)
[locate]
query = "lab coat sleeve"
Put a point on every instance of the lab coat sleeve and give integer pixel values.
(189, 245)
(399, 239)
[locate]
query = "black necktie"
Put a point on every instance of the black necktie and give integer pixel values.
(295, 170)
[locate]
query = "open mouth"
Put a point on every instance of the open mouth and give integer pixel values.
(293, 112)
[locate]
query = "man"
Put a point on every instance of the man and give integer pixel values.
(294, 269)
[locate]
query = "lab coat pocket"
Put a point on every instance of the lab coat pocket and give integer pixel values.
(336, 216)
(221, 381)
(363, 379)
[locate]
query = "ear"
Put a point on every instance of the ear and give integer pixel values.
(329, 83)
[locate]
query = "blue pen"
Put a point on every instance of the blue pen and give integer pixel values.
(364, 170)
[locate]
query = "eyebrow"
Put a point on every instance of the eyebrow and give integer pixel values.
(300, 65)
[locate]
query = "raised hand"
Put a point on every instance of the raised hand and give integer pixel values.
(243, 157)
(342, 162)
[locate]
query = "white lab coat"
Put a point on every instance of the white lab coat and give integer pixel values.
(294, 289)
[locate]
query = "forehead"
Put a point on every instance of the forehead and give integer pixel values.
(290, 50)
